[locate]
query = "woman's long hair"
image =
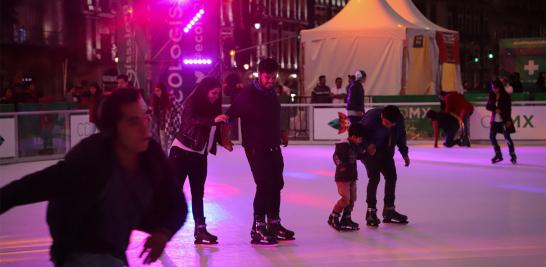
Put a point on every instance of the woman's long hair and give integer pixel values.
(498, 84)
(98, 92)
(199, 98)
(161, 103)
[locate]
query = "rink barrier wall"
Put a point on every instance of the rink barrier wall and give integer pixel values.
(48, 135)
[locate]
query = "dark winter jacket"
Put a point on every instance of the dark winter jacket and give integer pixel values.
(74, 187)
(260, 111)
(355, 97)
(505, 105)
(345, 158)
(384, 138)
(321, 94)
(195, 128)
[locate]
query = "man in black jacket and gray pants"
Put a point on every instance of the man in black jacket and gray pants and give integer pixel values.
(108, 185)
(355, 98)
(259, 109)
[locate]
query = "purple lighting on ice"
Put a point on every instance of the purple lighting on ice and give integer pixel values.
(194, 20)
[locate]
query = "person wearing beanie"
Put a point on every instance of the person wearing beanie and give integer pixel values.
(355, 97)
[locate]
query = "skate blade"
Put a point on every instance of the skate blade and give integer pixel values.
(260, 243)
(203, 242)
(349, 229)
(286, 239)
(395, 222)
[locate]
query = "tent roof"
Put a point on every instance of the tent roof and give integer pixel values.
(363, 17)
(409, 11)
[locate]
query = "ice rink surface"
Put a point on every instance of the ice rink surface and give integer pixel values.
(463, 211)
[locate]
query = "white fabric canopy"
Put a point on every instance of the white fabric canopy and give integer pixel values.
(368, 35)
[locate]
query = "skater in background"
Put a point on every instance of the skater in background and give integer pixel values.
(345, 157)
(108, 185)
(193, 139)
(448, 123)
(161, 103)
(460, 108)
(500, 105)
(91, 102)
(259, 109)
(385, 129)
(355, 97)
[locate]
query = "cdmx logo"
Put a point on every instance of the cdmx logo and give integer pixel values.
(520, 121)
(84, 129)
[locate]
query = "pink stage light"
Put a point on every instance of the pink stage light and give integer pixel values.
(197, 61)
(194, 20)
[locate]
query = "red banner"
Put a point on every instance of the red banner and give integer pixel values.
(448, 44)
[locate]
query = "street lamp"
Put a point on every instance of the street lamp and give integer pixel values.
(257, 25)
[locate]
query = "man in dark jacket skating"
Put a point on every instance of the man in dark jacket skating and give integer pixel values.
(259, 109)
(385, 129)
(108, 185)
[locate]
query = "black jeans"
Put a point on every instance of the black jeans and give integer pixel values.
(192, 165)
(497, 127)
(376, 165)
(450, 136)
(267, 167)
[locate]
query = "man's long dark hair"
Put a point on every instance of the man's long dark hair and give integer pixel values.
(199, 100)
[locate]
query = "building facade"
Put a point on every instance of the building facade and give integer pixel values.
(481, 24)
(254, 29)
(52, 44)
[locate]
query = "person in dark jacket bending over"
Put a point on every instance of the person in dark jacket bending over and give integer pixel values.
(355, 97)
(259, 109)
(109, 184)
(448, 123)
(500, 105)
(194, 139)
(384, 129)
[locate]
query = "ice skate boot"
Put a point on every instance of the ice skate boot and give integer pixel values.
(513, 158)
(260, 235)
(278, 231)
(496, 158)
(498, 155)
(371, 218)
(202, 236)
(390, 215)
(347, 223)
(333, 221)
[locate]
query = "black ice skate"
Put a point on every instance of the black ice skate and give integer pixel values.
(277, 230)
(496, 158)
(347, 223)
(390, 215)
(333, 221)
(513, 158)
(260, 235)
(202, 236)
(371, 218)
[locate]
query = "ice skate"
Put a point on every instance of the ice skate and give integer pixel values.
(278, 231)
(201, 235)
(390, 215)
(260, 235)
(371, 218)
